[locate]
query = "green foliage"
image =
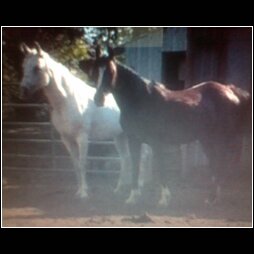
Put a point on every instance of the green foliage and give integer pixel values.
(65, 44)
(116, 36)
(69, 54)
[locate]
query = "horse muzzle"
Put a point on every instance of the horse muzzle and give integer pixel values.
(99, 100)
(25, 93)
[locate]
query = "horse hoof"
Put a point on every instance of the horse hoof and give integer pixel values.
(164, 203)
(119, 189)
(130, 202)
(214, 197)
(210, 202)
(165, 197)
(133, 198)
(82, 194)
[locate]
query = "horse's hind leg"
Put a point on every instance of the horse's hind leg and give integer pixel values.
(217, 164)
(135, 150)
(146, 168)
(225, 165)
(160, 165)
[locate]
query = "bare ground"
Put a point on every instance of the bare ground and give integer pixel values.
(46, 199)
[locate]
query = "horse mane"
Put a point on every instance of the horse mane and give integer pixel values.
(66, 81)
(132, 74)
(55, 64)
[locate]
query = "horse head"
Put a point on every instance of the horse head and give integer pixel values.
(90, 66)
(35, 72)
(107, 73)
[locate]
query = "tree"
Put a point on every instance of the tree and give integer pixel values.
(67, 44)
(115, 36)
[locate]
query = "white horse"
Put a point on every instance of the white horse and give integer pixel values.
(73, 112)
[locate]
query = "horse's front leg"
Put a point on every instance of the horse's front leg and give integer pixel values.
(82, 142)
(73, 148)
(135, 149)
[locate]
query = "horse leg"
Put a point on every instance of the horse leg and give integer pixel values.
(145, 165)
(82, 141)
(121, 143)
(135, 150)
(73, 149)
(216, 159)
(160, 165)
(228, 163)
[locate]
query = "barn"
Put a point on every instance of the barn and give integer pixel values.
(181, 57)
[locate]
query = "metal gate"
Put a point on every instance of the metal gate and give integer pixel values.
(35, 145)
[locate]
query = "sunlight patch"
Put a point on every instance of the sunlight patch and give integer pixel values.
(21, 212)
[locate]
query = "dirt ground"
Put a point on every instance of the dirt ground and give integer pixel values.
(46, 199)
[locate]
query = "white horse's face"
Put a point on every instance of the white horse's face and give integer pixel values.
(35, 72)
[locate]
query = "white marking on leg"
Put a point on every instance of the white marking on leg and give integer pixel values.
(165, 196)
(82, 192)
(124, 177)
(217, 194)
(134, 196)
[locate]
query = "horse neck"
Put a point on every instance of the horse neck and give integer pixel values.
(62, 85)
(130, 91)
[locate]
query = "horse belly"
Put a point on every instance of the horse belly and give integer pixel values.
(105, 124)
(159, 130)
(68, 124)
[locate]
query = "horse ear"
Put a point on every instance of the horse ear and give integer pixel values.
(98, 52)
(24, 48)
(38, 48)
(110, 53)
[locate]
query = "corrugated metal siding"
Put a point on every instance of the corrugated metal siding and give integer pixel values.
(146, 61)
(154, 39)
(175, 39)
(144, 55)
(239, 55)
(222, 55)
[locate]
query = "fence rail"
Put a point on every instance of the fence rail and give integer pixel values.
(191, 154)
(51, 140)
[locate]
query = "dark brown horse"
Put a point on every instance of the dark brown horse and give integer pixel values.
(210, 112)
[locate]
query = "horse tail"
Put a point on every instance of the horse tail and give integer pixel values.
(241, 94)
(245, 108)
